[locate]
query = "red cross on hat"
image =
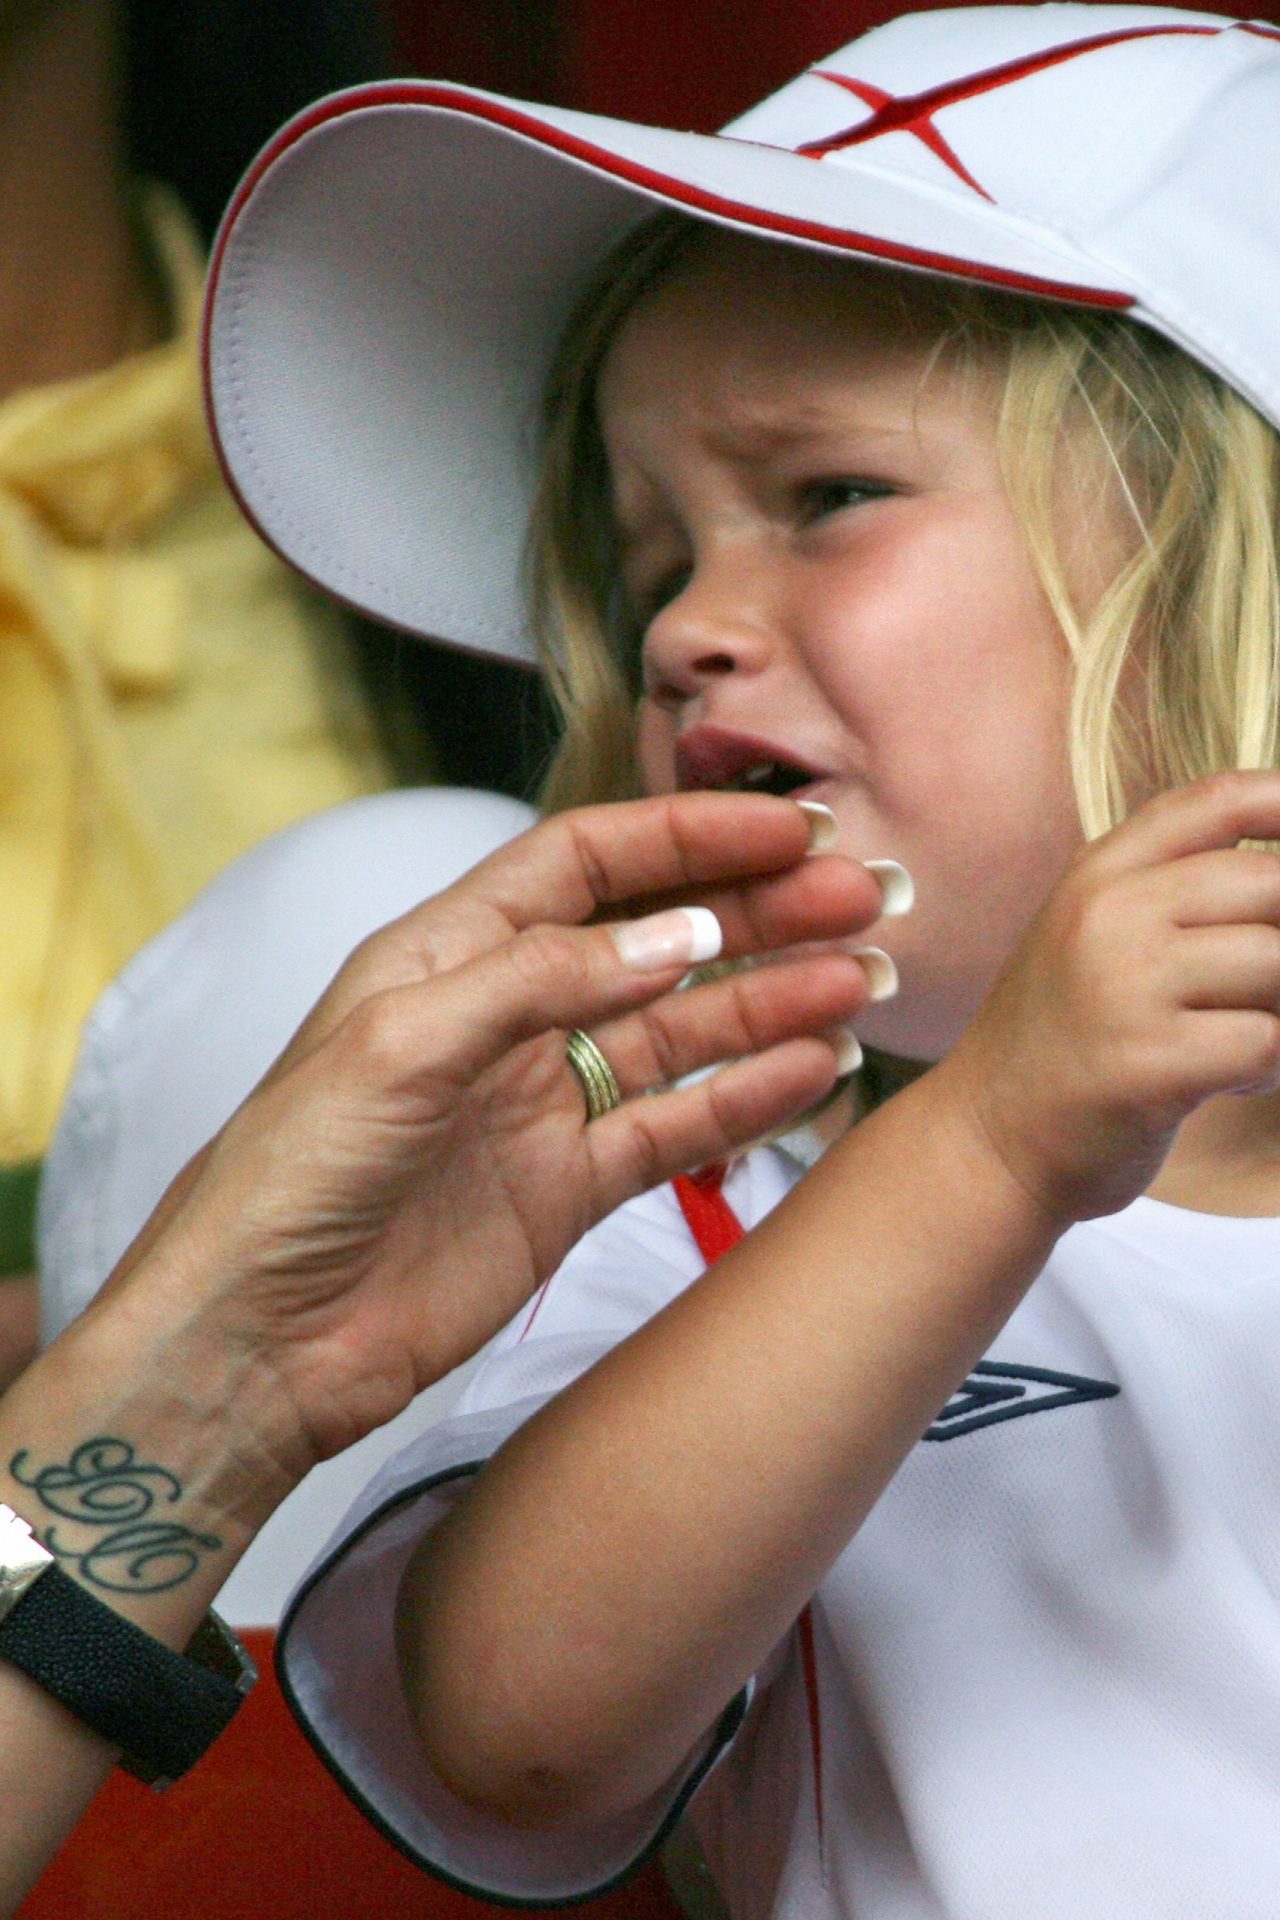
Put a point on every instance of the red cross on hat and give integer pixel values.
(913, 113)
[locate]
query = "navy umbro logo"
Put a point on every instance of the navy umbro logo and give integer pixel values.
(996, 1390)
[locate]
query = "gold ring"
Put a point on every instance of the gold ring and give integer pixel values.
(594, 1074)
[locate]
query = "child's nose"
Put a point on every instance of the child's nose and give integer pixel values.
(717, 624)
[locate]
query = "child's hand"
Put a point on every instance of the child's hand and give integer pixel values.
(1148, 982)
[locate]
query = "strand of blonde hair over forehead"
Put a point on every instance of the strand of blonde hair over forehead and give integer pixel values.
(1175, 668)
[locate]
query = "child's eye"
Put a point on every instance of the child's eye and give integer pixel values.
(832, 494)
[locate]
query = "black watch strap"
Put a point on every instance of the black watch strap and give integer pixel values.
(162, 1708)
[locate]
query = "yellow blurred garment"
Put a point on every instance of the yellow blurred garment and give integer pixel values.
(169, 692)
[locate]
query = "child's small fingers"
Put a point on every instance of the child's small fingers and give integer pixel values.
(1228, 885)
(1214, 812)
(644, 1142)
(743, 1014)
(1229, 966)
(1230, 1050)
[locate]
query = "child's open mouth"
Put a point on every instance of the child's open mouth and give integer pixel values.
(770, 776)
(710, 756)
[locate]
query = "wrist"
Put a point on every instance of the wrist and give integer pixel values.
(159, 1706)
(129, 1488)
(1001, 1152)
(967, 1194)
(146, 1462)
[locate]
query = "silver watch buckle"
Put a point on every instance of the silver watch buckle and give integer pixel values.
(22, 1559)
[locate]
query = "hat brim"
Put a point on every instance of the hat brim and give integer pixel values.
(391, 278)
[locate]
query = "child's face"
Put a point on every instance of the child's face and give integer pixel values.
(829, 576)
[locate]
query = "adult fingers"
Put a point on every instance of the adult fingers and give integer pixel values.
(458, 1024)
(825, 897)
(567, 869)
(572, 865)
(640, 854)
(645, 1142)
(822, 898)
(743, 1014)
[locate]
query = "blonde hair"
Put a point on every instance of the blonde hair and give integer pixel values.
(1190, 623)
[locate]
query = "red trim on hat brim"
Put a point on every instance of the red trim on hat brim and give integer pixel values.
(480, 107)
(500, 113)
(423, 93)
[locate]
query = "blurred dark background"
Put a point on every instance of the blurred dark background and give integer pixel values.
(680, 63)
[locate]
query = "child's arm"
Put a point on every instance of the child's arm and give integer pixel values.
(631, 1557)
(636, 1551)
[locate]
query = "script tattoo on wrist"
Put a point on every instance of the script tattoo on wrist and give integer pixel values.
(105, 1486)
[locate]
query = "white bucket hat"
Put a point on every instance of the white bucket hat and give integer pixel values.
(393, 273)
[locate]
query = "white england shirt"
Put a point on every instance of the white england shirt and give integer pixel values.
(1042, 1681)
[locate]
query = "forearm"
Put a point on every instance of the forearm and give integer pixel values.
(153, 1432)
(634, 1554)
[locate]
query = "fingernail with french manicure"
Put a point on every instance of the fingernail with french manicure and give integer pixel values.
(823, 831)
(897, 888)
(848, 1050)
(680, 937)
(882, 975)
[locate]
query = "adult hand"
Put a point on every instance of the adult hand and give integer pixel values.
(420, 1159)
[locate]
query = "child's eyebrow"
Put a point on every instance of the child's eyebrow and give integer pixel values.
(757, 436)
